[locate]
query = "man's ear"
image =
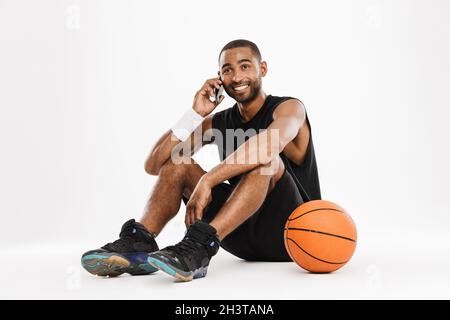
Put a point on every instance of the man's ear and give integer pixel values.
(263, 66)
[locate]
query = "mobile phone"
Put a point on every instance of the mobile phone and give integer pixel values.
(218, 92)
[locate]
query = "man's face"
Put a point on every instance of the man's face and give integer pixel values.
(241, 73)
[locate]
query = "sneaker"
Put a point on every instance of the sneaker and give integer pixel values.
(188, 259)
(128, 254)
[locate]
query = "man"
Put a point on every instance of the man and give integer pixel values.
(269, 162)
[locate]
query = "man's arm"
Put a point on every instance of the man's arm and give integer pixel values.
(202, 106)
(162, 149)
(289, 117)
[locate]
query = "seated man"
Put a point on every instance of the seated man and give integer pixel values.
(267, 154)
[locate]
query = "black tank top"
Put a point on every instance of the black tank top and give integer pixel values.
(306, 176)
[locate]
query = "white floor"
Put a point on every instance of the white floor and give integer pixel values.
(382, 268)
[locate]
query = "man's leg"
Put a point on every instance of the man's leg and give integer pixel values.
(189, 259)
(129, 254)
(261, 236)
(247, 197)
(174, 182)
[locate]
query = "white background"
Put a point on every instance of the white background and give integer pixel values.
(86, 88)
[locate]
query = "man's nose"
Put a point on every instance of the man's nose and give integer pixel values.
(237, 77)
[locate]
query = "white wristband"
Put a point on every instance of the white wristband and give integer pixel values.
(187, 124)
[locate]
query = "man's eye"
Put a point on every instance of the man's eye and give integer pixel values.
(226, 70)
(245, 66)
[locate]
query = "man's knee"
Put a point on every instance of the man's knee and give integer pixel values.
(175, 168)
(270, 169)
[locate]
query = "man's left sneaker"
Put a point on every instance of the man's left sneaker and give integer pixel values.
(188, 259)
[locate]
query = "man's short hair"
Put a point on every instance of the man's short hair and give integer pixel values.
(239, 43)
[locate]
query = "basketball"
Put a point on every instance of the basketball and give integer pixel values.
(320, 236)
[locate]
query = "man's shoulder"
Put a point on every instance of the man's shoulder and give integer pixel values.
(279, 100)
(283, 98)
(275, 101)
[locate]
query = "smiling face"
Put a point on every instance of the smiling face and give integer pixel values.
(241, 73)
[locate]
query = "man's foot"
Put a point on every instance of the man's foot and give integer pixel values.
(188, 259)
(128, 254)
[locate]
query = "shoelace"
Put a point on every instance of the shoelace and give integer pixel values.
(120, 244)
(187, 245)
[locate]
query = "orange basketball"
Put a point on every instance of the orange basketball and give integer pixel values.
(320, 236)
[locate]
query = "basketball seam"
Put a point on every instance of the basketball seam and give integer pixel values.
(313, 211)
(288, 248)
(314, 256)
(321, 232)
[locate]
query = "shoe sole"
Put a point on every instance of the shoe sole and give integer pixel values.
(113, 264)
(177, 273)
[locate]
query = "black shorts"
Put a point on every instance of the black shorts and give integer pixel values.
(260, 237)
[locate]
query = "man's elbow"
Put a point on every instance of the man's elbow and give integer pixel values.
(151, 168)
(272, 152)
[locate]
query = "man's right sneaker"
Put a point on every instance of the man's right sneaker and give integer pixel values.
(188, 259)
(128, 254)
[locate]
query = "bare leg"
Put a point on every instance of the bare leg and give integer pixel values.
(174, 181)
(247, 197)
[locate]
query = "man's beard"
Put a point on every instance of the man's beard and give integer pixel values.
(254, 88)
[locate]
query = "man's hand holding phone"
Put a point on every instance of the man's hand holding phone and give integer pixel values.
(202, 107)
(202, 102)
